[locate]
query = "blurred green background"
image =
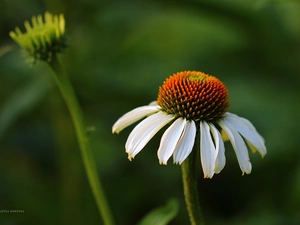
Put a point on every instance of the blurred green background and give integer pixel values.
(120, 53)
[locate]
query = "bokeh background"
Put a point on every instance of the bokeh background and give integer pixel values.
(120, 53)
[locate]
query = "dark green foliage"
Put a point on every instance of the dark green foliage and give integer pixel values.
(120, 53)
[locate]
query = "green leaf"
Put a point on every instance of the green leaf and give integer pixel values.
(4, 49)
(161, 215)
(23, 101)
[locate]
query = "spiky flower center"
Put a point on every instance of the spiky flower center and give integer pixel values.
(194, 96)
(44, 38)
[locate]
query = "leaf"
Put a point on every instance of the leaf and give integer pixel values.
(4, 49)
(22, 101)
(161, 215)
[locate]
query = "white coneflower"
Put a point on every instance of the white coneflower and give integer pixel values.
(192, 102)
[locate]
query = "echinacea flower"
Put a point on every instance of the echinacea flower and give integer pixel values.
(192, 102)
(44, 38)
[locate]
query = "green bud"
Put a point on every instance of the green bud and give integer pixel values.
(44, 38)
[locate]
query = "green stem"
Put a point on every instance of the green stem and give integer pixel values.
(69, 96)
(189, 177)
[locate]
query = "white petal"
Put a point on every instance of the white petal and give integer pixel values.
(153, 103)
(169, 140)
(186, 142)
(239, 146)
(220, 149)
(248, 131)
(133, 116)
(247, 122)
(207, 150)
(144, 131)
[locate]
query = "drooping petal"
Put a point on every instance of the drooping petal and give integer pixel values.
(248, 131)
(239, 146)
(133, 116)
(144, 131)
(220, 149)
(247, 122)
(185, 143)
(169, 140)
(207, 150)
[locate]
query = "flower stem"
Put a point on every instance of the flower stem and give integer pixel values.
(69, 96)
(189, 178)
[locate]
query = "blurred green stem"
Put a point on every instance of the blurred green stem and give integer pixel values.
(189, 178)
(69, 96)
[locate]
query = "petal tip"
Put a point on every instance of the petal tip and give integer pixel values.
(115, 129)
(246, 172)
(208, 176)
(163, 162)
(177, 162)
(130, 157)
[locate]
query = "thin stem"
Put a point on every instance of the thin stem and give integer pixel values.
(69, 96)
(189, 178)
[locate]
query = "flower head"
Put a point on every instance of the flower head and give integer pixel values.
(192, 102)
(44, 38)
